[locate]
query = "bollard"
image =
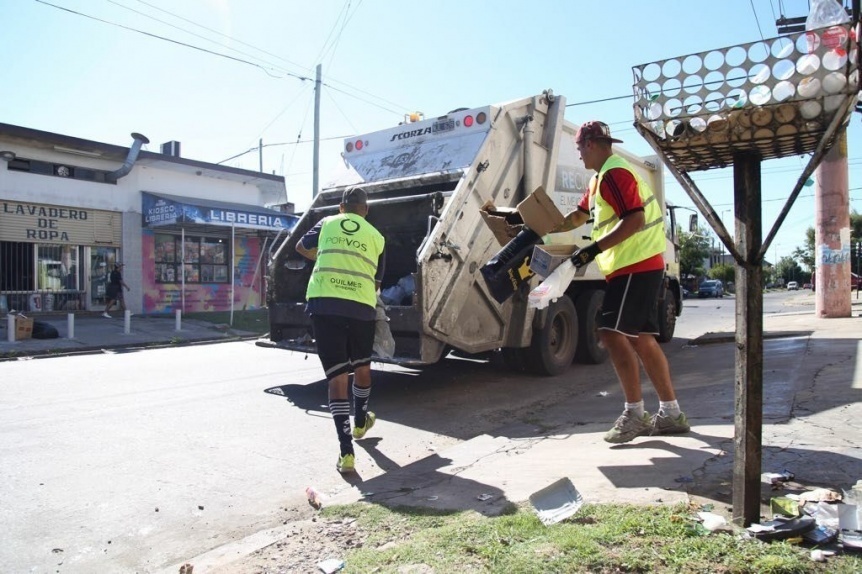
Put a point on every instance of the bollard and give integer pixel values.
(10, 328)
(179, 320)
(127, 322)
(70, 325)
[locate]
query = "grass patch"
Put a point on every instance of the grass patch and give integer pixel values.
(254, 320)
(600, 538)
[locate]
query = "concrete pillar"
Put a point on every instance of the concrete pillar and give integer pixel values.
(832, 233)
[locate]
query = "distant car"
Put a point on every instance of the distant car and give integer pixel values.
(710, 288)
(806, 286)
(792, 286)
(685, 293)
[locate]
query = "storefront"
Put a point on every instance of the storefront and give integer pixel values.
(56, 257)
(204, 255)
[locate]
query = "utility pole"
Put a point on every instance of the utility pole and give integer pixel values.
(260, 153)
(832, 233)
(316, 162)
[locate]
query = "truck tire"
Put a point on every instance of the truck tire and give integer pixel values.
(590, 351)
(553, 346)
(666, 317)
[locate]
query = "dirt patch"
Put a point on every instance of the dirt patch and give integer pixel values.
(307, 543)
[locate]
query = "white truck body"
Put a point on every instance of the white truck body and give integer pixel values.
(427, 182)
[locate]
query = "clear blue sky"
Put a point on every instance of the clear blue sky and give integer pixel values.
(381, 59)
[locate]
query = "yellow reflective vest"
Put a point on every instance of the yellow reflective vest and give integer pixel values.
(347, 253)
(649, 241)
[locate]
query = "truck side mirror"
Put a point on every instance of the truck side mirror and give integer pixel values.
(692, 223)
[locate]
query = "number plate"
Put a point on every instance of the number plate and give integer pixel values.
(443, 126)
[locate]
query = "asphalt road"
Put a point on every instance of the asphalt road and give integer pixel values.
(129, 462)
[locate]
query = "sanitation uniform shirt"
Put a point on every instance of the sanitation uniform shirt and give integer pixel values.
(341, 293)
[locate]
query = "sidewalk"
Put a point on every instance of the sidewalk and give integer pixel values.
(812, 418)
(95, 333)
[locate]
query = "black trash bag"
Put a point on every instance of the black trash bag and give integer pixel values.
(43, 330)
(510, 267)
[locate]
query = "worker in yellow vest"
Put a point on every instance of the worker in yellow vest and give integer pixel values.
(628, 244)
(342, 296)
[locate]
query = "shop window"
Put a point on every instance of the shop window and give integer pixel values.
(201, 259)
(57, 268)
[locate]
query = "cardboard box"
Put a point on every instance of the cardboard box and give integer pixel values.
(539, 212)
(23, 327)
(546, 258)
(505, 222)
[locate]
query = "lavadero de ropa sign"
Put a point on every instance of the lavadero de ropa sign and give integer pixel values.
(159, 210)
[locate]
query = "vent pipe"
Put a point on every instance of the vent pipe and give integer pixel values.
(130, 159)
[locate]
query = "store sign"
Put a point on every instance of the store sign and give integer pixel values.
(38, 223)
(163, 210)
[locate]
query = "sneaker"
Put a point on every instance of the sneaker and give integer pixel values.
(106, 316)
(346, 463)
(665, 424)
(627, 427)
(359, 432)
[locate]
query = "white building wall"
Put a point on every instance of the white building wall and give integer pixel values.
(124, 197)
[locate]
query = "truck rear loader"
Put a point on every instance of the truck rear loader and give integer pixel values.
(427, 183)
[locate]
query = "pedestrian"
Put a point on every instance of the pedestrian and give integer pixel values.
(342, 299)
(628, 243)
(114, 290)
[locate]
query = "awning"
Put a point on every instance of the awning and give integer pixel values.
(159, 210)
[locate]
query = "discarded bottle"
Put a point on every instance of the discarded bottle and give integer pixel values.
(315, 499)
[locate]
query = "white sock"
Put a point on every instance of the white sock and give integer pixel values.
(636, 408)
(669, 408)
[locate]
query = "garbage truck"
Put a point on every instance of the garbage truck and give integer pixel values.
(429, 182)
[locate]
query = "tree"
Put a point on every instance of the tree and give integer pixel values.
(789, 270)
(693, 249)
(724, 272)
(805, 254)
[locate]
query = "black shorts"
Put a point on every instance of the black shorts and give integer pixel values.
(113, 292)
(342, 343)
(631, 304)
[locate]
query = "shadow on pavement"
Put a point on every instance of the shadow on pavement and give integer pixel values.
(432, 483)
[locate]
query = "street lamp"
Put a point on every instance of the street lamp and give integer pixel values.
(732, 232)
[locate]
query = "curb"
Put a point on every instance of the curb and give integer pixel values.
(96, 349)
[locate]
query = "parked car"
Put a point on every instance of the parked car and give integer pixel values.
(792, 286)
(710, 288)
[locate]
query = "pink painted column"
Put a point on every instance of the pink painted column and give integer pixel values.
(832, 234)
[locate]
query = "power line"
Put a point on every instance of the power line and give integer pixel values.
(598, 101)
(193, 34)
(298, 141)
(266, 70)
(347, 119)
(756, 20)
(224, 35)
(193, 47)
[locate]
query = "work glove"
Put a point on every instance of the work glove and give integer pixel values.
(583, 256)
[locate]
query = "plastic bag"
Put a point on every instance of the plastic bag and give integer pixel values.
(384, 343)
(825, 13)
(553, 287)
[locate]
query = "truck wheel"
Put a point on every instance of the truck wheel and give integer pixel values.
(666, 317)
(590, 348)
(553, 346)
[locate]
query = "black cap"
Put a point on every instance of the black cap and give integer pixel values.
(354, 196)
